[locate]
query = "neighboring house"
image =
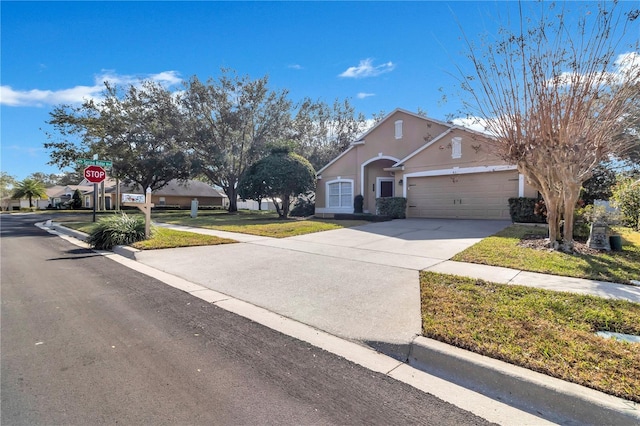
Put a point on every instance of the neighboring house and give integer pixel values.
(176, 193)
(60, 195)
(180, 194)
(443, 170)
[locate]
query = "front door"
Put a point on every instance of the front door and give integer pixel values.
(385, 188)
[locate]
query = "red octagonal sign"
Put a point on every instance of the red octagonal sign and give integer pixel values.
(94, 174)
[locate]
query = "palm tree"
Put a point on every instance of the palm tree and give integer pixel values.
(30, 188)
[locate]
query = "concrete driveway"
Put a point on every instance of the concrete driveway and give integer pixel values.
(357, 283)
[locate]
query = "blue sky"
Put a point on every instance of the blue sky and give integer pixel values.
(382, 55)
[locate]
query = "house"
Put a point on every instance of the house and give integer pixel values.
(175, 194)
(443, 170)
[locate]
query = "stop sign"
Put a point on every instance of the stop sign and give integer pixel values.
(94, 174)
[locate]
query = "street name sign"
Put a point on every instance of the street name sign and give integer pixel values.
(101, 163)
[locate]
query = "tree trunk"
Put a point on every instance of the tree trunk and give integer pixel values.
(570, 194)
(232, 193)
(278, 208)
(285, 206)
(553, 217)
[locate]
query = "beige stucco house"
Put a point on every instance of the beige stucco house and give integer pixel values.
(443, 170)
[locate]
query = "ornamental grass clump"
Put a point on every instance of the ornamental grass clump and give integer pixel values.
(117, 230)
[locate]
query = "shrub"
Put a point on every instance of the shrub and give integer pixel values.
(304, 207)
(527, 210)
(394, 207)
(626, 197)
(116, 230)
(358, 203)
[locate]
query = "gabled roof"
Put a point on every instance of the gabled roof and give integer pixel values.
(404, 111)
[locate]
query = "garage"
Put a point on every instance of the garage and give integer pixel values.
(462, 196)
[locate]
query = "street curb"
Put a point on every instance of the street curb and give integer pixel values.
(553, 399)
(126, 251)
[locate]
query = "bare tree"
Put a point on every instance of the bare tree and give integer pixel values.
(554, 93)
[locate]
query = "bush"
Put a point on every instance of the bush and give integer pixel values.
(394, 207)
(358, 204)
(626, 197)
(116, 230)
(304, 207)
(527, 210)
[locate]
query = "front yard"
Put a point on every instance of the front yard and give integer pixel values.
(262, 223)
(505, 249)
(546, 331)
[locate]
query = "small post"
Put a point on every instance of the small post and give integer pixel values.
(147, 213)
(95, 200)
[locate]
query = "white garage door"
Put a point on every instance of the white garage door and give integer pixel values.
(464, 196)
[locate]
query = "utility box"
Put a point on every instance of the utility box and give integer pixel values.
(194, 208)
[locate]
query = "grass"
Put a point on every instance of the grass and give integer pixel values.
(171, 238)
(162, 237)
(266, 224)
(502, 249)
(262, 223)
(546, 331)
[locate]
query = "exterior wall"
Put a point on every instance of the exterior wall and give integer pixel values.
(475, 151)
(345, 168)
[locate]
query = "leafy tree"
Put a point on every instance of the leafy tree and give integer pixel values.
(139, 128)
(76, 199)
(626, 196)
(47, 180)
(251, 186)
(29, 188)
(230, 121)
(321, 132)
(7, 183)
(599, 185)
(555, 102)
(280, 175)
(70, 178)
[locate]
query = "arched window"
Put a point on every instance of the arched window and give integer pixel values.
(340, 194)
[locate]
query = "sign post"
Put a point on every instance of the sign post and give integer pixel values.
(142, 202)
(95, 175)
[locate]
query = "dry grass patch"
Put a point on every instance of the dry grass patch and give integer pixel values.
(505, 249)
(549, 332)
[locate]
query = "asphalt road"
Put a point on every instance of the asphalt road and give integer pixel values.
(88, 341)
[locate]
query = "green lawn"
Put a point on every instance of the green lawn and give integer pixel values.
(502, 249)
(245, 222)
(263, 223)
(546, 331)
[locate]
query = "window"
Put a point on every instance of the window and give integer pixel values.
(398, 128)
(87, 201)
(162, 201)
(340, 194)
(456, 147)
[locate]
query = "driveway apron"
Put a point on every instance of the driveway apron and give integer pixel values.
(357, 283)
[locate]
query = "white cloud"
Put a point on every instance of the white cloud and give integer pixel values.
(473, 123)
(78, 94)
(366, 69)
(363, 95)
(295, 66)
